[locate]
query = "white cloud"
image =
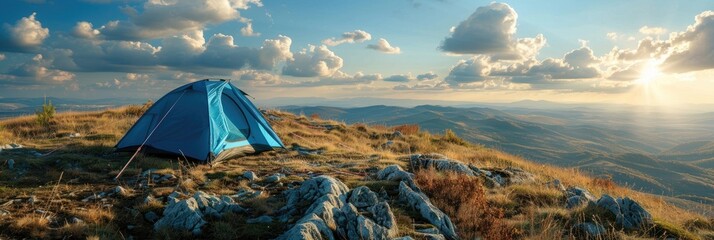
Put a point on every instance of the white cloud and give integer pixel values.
(427, 76)
(26, 34)
(441, 85)
(257, 78)
(85, 30)
(166, 18)
(349, 37)
(39, 69)
(475, 69)
(399, 78)
(313, 62)
(136, 76)
(384, 46)
(612, 35)
(693, 49)
(247, 31)
(652, 30)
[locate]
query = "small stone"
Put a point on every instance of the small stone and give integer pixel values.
(76, 220)
(32, 200)
(250, 175)
(261, 219)
(11, 164)
(589, 230)
(274, 178)
(149, 199)
(151, 217)
(119, 190)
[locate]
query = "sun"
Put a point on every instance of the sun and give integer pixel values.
(649, 73)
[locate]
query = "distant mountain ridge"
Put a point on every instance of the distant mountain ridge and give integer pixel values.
(645, 150)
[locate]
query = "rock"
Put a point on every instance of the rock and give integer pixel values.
(577, 197)
(403, 238)
(555, 184)
(32, 200)
(428, 211)
(151, 216)
(184, 214)
(589, 230)
(149, 199)
(11, 164)
(575, 202)
(397, 134)
(75, 135)
(309, 227)
(119, 190)
(174, 197)
(394, 173)
(261, 219)
(361, 197)
(166, 177)
(352, 225)
(211, 205)
(511, 175)
(147, 172)
(331, 212)
(382, 214)
(628, 214)
(250, 175)
(274, 178)
(440, 163)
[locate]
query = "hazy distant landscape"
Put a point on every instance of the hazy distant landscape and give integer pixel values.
(658, 152)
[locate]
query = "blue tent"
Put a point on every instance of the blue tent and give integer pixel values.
(204, 120)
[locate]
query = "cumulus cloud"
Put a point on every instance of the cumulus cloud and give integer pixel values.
(27, 34)
(612, 35)
(348, 37)
(166, 18)
(384, 46)
(490, 30)
(475, 69)
(85, 30)
(693, 49)
(37, 70)
(399, 78)
(652, 30)
(427, 76)
(313, 62)
(247, 31)
(257, 78)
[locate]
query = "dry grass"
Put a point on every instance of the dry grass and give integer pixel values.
(33, 225)
(464, 200)
(352, 152)
(407, 129)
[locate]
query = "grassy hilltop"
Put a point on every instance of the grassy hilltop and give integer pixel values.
(48, 193)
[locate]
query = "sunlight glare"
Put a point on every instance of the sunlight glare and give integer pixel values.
(649, 73)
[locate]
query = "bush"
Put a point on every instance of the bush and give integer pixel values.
(46, 114)
(451, 137)
(463, 198)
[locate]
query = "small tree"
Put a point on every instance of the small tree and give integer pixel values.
(46, 114)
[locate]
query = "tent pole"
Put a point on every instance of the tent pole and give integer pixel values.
(147, 137)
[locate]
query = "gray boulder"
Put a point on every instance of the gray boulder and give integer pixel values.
(577, 197)
(214, 206)
(394, 173)
(362, 197)
(628, 214)
(311, 227)
(382, 214)
(184, 215)
(274, 178)
(589, 230)
(428, 211)
(250, 175)
(440, 163)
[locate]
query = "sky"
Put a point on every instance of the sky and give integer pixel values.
(658, 53)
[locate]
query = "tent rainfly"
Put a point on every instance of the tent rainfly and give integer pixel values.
(205, 121)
